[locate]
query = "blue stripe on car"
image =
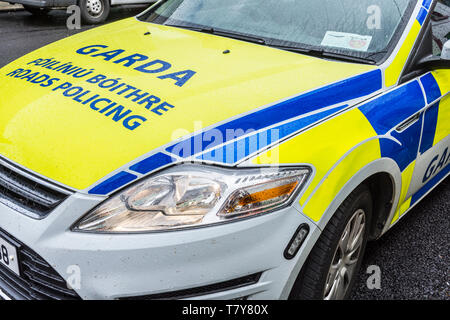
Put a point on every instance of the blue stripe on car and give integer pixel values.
(430, 184)
(431, 87)
(113, 183)
(340, 92)
(405, 152)
(242, 148)
(330, 95)
(427, 4)
(429, 128)
(422, 15)
(152, 163)
(389, 110)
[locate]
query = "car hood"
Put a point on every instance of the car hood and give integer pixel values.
(49, 126)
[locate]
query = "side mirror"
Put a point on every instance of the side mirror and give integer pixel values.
(434, 62)
(446, 51)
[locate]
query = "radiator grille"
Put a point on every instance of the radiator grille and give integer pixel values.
(26, 195)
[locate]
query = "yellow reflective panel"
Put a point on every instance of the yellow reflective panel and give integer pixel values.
(443, 122)
(394, 70)
(403, 205)
(443, 79)
(402, 209)
(323, 146)
(345, 170)
(76, 143)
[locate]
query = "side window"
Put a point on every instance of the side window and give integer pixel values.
(441, 25)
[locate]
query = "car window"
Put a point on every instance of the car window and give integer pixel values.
(360, 27)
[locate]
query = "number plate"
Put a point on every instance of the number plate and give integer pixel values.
(8, 256)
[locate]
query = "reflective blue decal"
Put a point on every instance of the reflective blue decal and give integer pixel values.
(152, 163)
(431, 87)
(333, 94)
(306, 108)
(393, 108)
(426, 4)
(406, 152)
(422, 15)
(242, 148)
(113, 183)
(429, 128)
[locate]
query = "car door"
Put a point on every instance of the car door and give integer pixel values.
(434, 151)
(432, 164)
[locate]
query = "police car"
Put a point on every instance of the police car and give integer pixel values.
(214, 149)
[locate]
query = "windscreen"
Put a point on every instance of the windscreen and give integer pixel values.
(361, 27)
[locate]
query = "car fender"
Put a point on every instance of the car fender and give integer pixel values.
(382, 165)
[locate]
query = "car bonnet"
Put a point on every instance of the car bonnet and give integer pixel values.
(65, 112)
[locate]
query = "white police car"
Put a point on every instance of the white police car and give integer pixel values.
(213, 149)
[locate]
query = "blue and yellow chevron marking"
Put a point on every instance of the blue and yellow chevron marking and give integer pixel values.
(435, 85)
(388, 112)
(429, 128)
(433, 93)
(432, 90)
(383, 113)
(333, 94)
(235, 151)
(156, 161)
(305, 110)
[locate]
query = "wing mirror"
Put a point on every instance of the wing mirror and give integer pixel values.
(435, 62)
(446, 51)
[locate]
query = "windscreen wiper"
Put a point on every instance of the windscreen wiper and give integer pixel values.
(321, 53)
(229, 34)
(239, 36)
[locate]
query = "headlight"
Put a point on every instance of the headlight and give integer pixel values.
(195, 195)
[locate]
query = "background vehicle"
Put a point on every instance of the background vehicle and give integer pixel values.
(92, 11)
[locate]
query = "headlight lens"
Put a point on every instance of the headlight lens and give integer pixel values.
(194, 195)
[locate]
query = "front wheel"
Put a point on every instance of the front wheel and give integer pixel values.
(333, 264)
(94, 11)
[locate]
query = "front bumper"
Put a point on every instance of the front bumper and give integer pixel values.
(120, 266)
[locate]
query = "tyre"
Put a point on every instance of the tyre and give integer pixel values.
(333, 265)
(94, 11)
(36, 11)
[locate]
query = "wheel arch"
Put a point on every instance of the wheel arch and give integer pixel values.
(384, 179)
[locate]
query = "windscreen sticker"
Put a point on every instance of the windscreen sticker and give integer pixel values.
(347, 41)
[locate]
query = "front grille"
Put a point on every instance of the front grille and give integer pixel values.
(27, 196)
(38, 280)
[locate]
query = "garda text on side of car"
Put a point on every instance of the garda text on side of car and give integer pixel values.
(218, 150)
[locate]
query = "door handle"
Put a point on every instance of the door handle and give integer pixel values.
(408, 123)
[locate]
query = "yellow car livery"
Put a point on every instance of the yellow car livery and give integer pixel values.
(219, 149)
